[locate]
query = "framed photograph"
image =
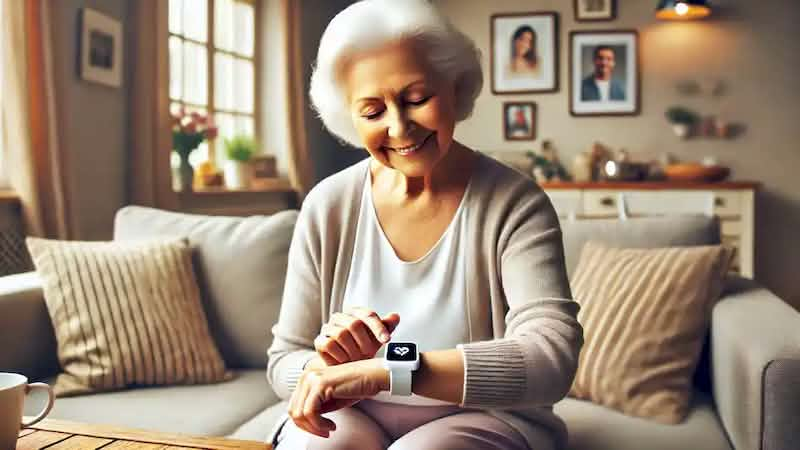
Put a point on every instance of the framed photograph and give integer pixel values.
(524, 53)
(101, 48)
(519, 121)
(604, 73)
(595, 10)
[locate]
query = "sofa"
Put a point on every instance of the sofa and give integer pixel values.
(746, 388)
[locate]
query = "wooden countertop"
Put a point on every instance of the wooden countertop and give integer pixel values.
(652, 185)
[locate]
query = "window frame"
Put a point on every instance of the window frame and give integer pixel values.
(211, 50)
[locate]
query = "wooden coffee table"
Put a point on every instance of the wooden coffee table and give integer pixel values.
(63, 435)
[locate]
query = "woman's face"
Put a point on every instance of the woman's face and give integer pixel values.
(403, 112)
(524, 43)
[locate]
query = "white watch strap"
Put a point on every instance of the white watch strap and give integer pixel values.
(400, 382)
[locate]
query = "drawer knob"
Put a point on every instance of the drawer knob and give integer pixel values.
(719, 201)
(607, 201)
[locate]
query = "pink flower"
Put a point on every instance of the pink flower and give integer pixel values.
(190, 127)
(211, 133)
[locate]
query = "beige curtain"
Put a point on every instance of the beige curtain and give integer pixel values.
(32, 160)
(150, 139)
(300, 171)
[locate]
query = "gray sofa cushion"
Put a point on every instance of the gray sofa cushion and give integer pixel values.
(241, 267)
(594, 427)
(644, 232)
(261, 427)
(205, 410)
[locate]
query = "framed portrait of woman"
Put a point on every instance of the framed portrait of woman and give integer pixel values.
(519, 121)
(524, 53)
(604, 73)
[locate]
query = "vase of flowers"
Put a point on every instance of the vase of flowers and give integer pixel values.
(189, 130)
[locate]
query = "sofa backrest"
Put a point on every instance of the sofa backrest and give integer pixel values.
(240, 264)
(643, 232)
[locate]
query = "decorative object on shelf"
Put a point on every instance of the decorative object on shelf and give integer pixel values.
(101, 48)
(189, 130)
(524, 52)
(238, 171)
(682, 9)
(519, 121)
(582, 167)
(546, 165)
(622, 168)
(682, 119)
(696, 172)
(595, 10)
(598, 155)
(604, 73)
(207, 175)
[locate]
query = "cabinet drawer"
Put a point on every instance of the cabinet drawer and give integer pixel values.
(727, 203)
(600, 203)
(566, 203)
(731, 228)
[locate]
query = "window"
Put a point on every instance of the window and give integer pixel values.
(213, 67)
(3, 179)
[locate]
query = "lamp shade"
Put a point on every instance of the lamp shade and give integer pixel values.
(682, 9)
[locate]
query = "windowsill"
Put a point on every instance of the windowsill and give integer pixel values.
(275, 185)
(8, 197)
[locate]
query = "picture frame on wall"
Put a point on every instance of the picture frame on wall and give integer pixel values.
(604, 73)
(595, 10)
(519, 121)
(524, 53)
(100, 48)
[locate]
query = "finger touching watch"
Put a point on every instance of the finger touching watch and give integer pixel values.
(401, 359)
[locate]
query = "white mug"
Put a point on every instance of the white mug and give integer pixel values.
(13, 389)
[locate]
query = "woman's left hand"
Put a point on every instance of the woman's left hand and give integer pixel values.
(326, 389)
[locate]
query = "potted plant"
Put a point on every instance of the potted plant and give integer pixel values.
(239, 150)
(188, 132)
(682, 120)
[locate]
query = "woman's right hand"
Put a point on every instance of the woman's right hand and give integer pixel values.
(354, 335)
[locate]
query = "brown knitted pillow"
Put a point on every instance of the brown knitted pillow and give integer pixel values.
(125, 313)
(645, 313)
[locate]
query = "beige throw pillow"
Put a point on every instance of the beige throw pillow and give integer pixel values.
(645, 314)
(125, 314)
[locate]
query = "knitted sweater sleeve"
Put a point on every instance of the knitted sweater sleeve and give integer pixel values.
(300, 316)
(534, 363)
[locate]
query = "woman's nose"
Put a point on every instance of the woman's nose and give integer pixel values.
(399, 125)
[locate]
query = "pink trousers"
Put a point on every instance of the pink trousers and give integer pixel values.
(373, 425)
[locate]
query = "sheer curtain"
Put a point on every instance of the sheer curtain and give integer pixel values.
(29, 139)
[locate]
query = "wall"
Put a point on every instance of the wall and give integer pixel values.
(746, 45)
(92, 125)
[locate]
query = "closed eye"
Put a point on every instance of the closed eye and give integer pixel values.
(420, 102)
(372, 116)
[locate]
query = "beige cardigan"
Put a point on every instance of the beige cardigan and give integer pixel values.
(524, 336)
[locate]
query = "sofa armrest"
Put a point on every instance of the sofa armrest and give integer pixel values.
(28, 341)
(755, 358)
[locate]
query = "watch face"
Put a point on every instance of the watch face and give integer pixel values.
(401, 351)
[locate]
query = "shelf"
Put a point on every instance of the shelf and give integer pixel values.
(651, 185)
(277, 185)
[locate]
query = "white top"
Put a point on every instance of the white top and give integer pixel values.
(604, 86)
(429, 294)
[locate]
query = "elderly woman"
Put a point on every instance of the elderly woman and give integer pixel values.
(426, 243)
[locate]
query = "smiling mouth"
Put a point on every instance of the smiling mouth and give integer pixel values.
(411, 149)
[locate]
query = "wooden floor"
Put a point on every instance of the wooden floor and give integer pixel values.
(53, 434)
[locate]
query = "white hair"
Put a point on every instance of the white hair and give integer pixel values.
(371, 24)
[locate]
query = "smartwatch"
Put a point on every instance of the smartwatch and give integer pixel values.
(401, 359)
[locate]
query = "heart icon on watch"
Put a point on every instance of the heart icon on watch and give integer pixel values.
(401, 350)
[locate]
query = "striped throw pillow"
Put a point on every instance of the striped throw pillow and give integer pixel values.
(645, 315)
(125, 314)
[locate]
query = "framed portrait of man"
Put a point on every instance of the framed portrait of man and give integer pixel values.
(524, 53)
(604, 73)
(519, 121)
(595, 10)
